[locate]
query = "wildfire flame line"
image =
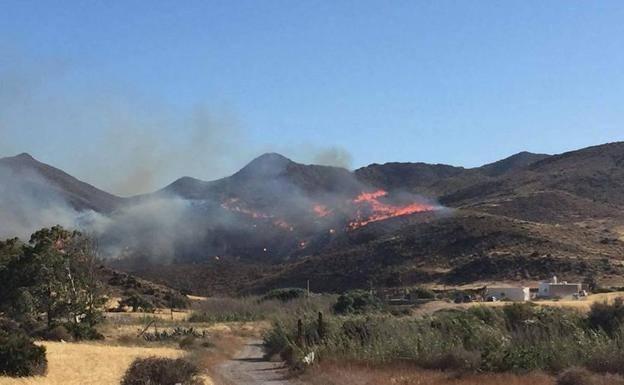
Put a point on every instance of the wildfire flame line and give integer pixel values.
(379, 211)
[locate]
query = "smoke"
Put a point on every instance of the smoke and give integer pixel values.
(207, 145)
(27, 203)
(333, 156)
(267, 211)
(120, 140)
(125, 143)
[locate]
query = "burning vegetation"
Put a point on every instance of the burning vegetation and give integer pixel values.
(365, 208)
(371, 207)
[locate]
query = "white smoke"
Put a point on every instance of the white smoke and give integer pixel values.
(27, 203)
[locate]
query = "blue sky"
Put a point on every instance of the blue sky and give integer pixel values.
(109, 89)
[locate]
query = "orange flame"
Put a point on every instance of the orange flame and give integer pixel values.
(233, 204)
(378, 211)
(321, 210)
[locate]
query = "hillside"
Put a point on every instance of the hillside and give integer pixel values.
(280, 223)
(47, 180)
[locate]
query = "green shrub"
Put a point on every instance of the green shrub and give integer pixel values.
(422, 293)
(57, 333)
(137, 302)
(83, 331)
(19, 356)
(187, 342)
(357, 301)
(178, 333)
(512, 338)
(608, 317)
(517, 314)
(176, 300)
(161, 371)
(608, 358)
(284, 295)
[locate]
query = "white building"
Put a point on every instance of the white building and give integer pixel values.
(509, 293)
(553, 288)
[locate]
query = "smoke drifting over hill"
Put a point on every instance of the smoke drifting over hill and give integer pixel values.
(118, 139)
(273, 207)
(28, 203)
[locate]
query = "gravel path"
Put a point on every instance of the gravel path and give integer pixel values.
(250, 368)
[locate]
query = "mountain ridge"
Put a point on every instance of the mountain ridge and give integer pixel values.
(277, 222)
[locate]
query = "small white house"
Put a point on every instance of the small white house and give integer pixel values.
(554, 288)
(520, 293)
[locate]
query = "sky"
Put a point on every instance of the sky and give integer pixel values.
(130, 95)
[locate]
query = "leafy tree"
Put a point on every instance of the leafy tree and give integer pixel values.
(356, 301)
(51, 280)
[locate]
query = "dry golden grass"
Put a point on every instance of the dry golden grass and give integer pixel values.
(113, 330)
(86, 364)
(163, 314)
(581, 304)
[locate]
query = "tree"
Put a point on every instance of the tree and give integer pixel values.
(54, 276)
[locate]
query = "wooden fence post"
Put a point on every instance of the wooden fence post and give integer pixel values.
(300, 333)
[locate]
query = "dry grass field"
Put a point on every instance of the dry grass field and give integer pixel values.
(88, 364)
(580, 304)
(104, 362)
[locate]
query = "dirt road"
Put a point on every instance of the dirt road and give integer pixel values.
(250, 368)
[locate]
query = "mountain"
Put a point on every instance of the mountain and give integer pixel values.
(280, 223)
(515, 162)
(52, 181)
(521, 218)
(266, 178)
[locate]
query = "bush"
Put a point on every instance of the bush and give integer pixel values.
(575, 376)
(608, 317)
(357, 301)
(422, 293)
(57, 333)
(137, 302)
(284, 295)
(177, 301)
(178, 333)
(83, 331)
(517, 314)
(187, 342)
(161, 371)
(19, 356)
(608, 359)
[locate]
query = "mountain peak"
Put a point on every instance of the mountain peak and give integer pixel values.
(511, 163)
(23, 157)
(266, 164)
(270, 157)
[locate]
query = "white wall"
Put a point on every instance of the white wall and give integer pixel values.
(510, 293)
